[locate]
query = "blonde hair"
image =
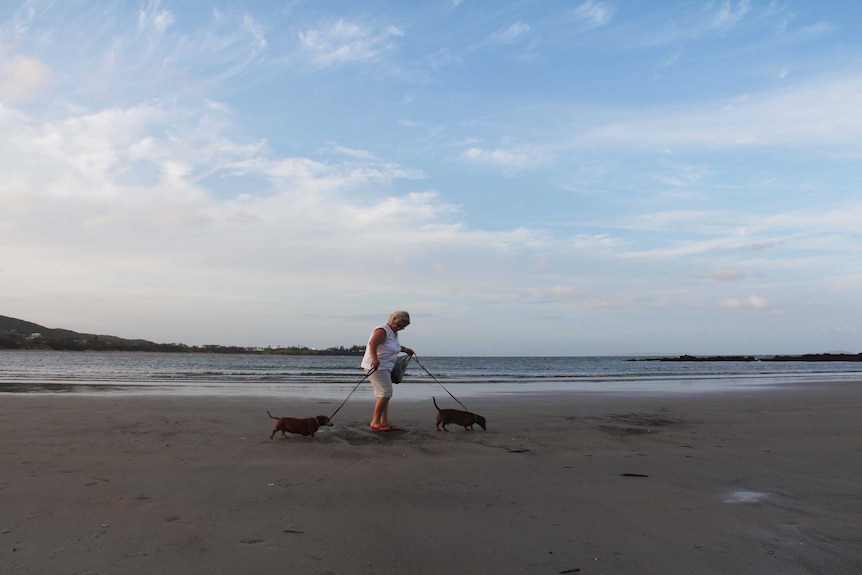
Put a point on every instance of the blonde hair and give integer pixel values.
(399, 317)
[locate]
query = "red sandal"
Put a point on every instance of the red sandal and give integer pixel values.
(385, 428)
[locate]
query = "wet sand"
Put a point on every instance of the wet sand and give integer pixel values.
(745, 482)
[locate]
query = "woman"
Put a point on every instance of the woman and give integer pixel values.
(380, 353)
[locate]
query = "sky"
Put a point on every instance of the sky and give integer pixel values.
(558, 177)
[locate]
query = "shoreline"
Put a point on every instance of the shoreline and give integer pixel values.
(341, 351)
(415, 392)
(755, 481)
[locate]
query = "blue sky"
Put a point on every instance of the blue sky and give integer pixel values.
(526, 178)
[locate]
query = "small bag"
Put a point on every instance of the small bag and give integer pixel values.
(400, 368)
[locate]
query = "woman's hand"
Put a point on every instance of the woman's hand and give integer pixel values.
(407, 350)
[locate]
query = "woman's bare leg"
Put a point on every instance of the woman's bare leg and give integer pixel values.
(381, 412)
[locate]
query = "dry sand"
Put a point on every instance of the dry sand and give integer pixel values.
(766, 481)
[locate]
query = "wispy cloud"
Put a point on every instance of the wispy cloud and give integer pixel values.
(109, 58)
(826, 111)
(595, 13)
(153, 19)
(509, 160)
(729, 14)
(817, 30)
(510, 35)
(343, 41)
(349, 152)
(685, 24)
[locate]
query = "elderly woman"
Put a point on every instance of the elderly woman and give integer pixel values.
(380, 354)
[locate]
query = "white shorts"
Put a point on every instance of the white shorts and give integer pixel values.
(382, 382)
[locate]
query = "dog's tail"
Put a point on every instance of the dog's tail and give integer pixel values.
(435, 402)
(271, 415)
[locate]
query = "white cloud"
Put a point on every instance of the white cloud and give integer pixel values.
(87, 218)
(562, 292)
(751, 302)
(21, 76)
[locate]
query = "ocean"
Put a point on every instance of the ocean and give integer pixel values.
(333, 378)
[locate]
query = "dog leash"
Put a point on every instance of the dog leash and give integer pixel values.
(416, 359)
(373, 369)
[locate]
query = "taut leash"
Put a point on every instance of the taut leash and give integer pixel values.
(373, 369)
(438, 383)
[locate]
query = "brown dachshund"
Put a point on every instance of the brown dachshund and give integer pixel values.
(454, 416)
(307, 426)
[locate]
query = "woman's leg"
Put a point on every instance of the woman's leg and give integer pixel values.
(381, 412)
(382, 382)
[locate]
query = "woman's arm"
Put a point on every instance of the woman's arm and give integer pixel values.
(378, 336)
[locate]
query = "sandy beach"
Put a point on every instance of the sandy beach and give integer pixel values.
(745, 482)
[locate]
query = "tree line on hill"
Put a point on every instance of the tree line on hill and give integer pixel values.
(803, 357)
(16, 334)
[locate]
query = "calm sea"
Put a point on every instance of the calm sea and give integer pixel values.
(333, 378)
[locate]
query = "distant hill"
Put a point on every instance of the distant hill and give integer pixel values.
(19, 334)
(11, 326)
(840, 356)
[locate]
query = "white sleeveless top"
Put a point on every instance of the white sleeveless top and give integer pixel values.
(386, 351)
